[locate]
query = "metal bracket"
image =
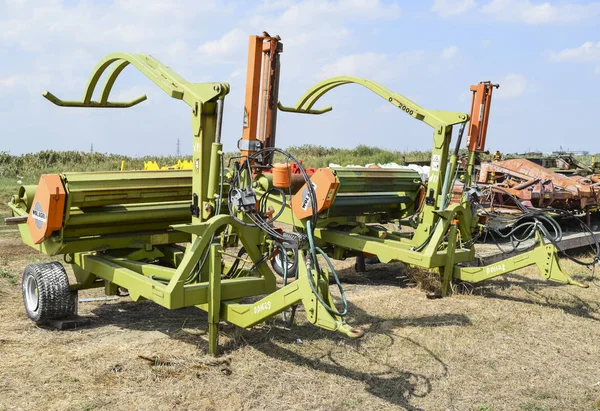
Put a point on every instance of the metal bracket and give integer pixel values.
(247, 145)
(430, 200)
(194, 208)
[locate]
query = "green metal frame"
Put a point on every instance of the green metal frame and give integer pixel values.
(427, 248)
(182, 280)
(194, 276)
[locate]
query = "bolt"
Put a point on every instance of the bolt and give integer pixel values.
(207, 208)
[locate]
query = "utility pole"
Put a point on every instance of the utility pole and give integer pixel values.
(178, 154)
(92, 148)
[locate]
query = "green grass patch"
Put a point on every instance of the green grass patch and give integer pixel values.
(531, 406)
(11, 278)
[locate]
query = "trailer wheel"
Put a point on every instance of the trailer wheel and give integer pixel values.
(46, 293)
(292, 263)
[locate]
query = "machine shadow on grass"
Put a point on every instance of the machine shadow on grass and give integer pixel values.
(393, 385)
(394, 274)
(497, 289)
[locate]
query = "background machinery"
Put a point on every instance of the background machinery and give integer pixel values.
(203, 237)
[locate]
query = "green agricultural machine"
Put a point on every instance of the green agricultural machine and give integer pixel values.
(218, 236)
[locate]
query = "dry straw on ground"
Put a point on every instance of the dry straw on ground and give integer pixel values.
(516, 343)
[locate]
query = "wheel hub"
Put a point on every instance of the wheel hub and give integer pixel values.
(32, 293)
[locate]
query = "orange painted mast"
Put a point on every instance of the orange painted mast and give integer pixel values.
(260, 104)
(480, 113)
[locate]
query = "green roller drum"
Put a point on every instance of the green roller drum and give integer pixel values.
(387, 191)
(122, 208)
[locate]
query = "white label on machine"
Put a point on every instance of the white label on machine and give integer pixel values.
(435, 162)
(306, 197)
(495, 269)
(262, 307)
(38, 215)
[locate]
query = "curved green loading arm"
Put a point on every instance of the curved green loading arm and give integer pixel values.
(205, 99)
(161, 75)
(433, 118)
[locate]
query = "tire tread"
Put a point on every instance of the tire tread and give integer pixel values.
(55, 299)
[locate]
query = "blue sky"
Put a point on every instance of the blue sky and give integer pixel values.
(545, 55)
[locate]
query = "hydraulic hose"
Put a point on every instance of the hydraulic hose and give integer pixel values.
(312, 250)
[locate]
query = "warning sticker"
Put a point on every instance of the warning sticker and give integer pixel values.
(435, 162)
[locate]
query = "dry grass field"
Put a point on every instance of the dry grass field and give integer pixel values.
(514, 343)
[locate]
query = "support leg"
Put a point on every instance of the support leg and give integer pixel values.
(544, 256)
(549, 266)
(588, 217)
(214, 300)
(359, 265)
(449, 267)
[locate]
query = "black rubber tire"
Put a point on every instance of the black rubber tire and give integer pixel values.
(277, 265)
(50, 284)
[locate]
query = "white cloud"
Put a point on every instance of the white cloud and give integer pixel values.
(133, 23)
(588, 51)
(354, 65)
(381, 66)
(305, 13)
(512, 86)
(447, 8)
(320, 24)
(63, 39)
(177, 48)
(276, 4)
(528, 12)
(230, 43)
(449, 52)
(9, 82)
(335, 37)
(531, 12)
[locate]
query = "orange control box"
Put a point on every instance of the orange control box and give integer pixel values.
(47, 209)
(325, 184)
